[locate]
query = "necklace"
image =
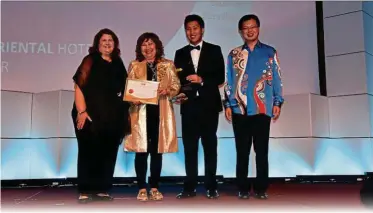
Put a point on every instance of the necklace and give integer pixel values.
(153, 68)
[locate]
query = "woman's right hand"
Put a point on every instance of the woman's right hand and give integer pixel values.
(81, 119)
(137, 103)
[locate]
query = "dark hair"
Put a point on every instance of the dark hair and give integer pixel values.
(194, 17)
(96, 42)
(246, 18)
(158, 46)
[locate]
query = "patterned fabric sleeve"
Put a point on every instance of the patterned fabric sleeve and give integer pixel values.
(175, 82)
(278, 99)
(228, 92)
(131, 73)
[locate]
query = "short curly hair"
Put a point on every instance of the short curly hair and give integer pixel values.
(158, 46)
(96, 42)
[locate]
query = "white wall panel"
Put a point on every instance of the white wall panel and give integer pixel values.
(333, 8)
(304, 115)
(15, 114)
(350, 116)
(340, 29)
(346, 74)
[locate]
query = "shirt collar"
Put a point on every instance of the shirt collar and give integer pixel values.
(258, 45)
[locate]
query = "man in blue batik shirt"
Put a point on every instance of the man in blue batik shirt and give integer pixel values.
(253, 96)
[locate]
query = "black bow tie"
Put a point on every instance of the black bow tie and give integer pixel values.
(194, 47)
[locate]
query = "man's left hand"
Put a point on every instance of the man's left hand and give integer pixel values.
(194, 78)
(276, 113)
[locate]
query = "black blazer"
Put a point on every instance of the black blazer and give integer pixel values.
(211, 69)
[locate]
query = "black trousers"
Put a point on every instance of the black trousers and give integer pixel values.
(97, 154)
(198, 123)
(250, 130)
(366, 192)
(141, 159)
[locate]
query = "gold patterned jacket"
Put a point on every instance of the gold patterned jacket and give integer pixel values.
(167, 141)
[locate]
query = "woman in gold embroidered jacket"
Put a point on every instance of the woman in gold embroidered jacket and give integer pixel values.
(153, 127)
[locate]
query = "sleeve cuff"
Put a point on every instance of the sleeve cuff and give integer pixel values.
(226, 104)
(278, 104)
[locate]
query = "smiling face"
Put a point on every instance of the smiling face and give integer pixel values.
(148, 49)
(194, 32)
(249, 31)
(106, 44)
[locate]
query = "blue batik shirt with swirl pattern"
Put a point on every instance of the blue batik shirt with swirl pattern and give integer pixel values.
(253, 80)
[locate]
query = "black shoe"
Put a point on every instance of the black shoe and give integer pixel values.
(103, 197)
(243, 195)
(212, 194)
(261, 195)
(186, 194)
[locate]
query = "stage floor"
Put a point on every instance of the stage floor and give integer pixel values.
(297, 197)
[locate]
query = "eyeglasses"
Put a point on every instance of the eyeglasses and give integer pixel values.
(250, 28)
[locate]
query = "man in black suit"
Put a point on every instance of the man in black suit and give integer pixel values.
(202, 71)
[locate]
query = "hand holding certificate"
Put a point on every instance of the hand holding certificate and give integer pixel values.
(141, 91)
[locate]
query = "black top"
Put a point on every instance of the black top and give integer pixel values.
(152, 111)
(102, 84)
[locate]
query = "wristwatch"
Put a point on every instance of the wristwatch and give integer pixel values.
(79, 113)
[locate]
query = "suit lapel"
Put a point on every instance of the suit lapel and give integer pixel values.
(189, 61)
(202, 56)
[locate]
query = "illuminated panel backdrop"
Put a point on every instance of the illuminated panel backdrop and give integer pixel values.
(42, 43)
